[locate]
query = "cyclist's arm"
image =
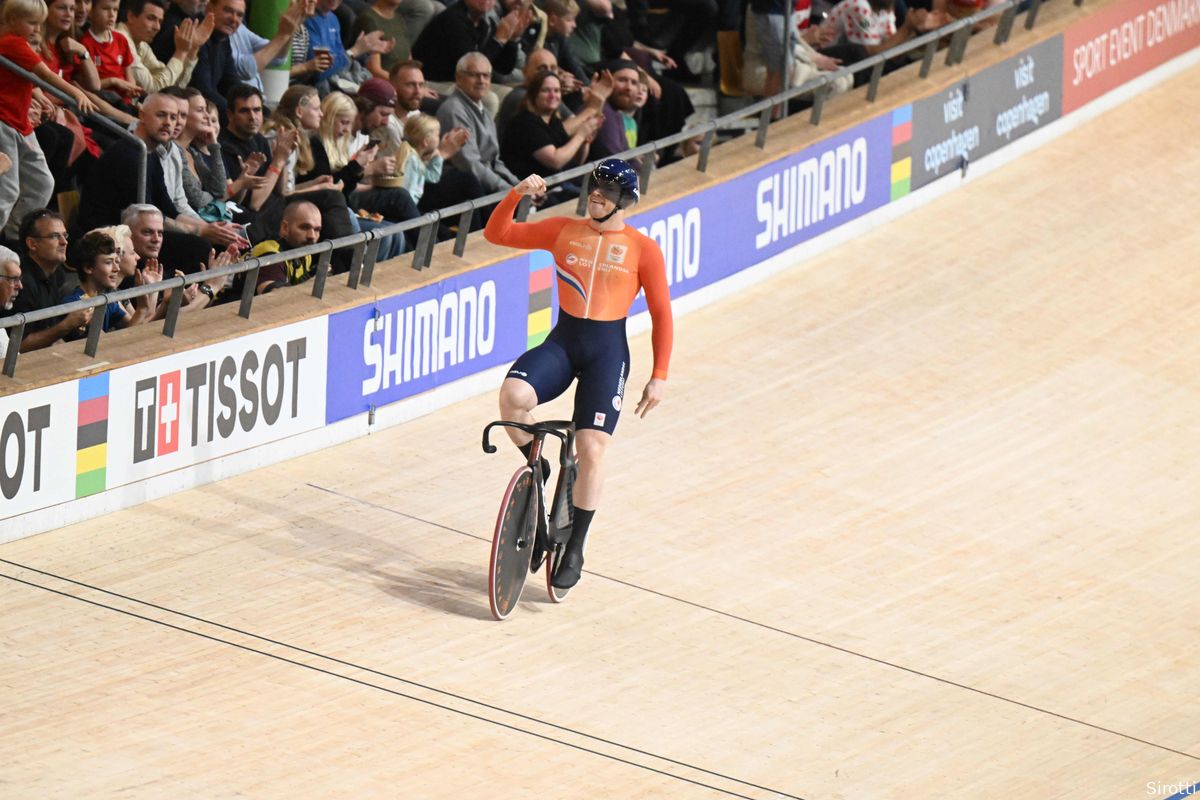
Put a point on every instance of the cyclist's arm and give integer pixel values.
(653, 274)
(502, 229)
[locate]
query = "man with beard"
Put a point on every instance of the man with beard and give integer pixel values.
(619, 131)
(300, 226)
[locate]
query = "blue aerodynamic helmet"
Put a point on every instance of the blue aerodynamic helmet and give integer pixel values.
(617, 181)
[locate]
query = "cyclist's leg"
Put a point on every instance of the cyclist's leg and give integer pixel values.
(598, 400)
(517, 401)
(590, 446)
(599, 397)
(540, 375)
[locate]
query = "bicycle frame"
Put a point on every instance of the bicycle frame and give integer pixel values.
(552, 523)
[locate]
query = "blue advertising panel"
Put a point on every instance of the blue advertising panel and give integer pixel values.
(404, 345)
(725, 229)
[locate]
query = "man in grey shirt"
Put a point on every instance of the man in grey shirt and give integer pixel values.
(480, 156)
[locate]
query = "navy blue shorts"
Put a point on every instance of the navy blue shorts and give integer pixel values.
(594, 351)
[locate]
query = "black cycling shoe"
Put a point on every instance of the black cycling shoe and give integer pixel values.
(569, 570)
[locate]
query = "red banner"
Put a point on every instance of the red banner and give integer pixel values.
(1121, 42)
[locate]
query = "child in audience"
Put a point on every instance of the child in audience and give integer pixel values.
(110, 51)
(28, 185)
(100, 272)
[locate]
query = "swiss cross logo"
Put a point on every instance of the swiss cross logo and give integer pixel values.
(156, 416)
(168, 413)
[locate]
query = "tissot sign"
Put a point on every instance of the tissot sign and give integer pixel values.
(37, 448)
(210, 402)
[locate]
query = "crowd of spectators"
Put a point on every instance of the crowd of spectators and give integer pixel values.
(394, 108)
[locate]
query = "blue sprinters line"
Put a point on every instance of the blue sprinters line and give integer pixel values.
(1191, 791)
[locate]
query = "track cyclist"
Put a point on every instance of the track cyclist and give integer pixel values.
(601, 263)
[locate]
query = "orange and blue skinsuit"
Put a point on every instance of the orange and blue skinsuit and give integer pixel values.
(599, 275)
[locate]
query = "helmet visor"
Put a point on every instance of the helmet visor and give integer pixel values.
(613, 191)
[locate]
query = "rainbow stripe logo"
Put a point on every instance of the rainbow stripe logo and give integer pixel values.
(901, 152)
(91, 443)
(541, 291)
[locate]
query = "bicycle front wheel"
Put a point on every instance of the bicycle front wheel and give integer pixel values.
(512, 544)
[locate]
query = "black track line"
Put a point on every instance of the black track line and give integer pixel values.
(381, 674)
(794, 635)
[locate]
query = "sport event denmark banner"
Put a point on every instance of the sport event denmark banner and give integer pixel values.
(1122, 41)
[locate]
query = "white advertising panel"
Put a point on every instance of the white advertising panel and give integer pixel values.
(38, 448)
(206, 403)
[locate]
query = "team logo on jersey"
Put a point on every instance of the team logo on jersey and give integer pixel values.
(616, 402)
(599, 420)
(571, 259)
(616, 253)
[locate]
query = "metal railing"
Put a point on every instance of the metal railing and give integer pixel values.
(366, 244)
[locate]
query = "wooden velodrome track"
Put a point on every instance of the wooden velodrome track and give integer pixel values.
(917, 521)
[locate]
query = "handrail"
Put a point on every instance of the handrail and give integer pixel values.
(105, 122)
(366, 244)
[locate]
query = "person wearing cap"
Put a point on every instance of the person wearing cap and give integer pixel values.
(601, 263)
(380, 191)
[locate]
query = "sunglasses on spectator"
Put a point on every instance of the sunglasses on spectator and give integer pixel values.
(60, 235)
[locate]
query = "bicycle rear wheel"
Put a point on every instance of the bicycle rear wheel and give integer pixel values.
(512, 544)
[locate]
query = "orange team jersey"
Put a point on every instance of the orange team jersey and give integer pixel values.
(599, 273)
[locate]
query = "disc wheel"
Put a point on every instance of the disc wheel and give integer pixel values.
(512, 544)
